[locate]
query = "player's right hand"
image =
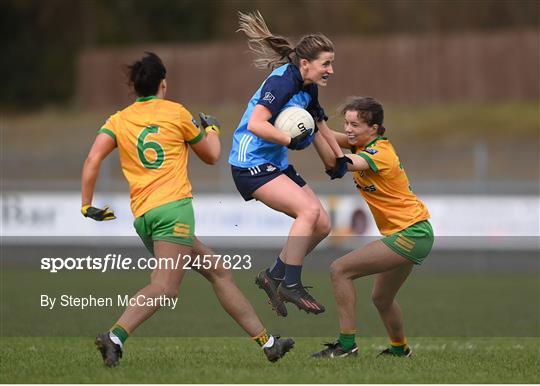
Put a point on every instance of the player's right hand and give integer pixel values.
(97, 214)
(210, 123)
(300, 142)
(340, 169)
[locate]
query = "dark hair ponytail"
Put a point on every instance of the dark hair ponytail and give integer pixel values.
(146, 74)
(368, 109)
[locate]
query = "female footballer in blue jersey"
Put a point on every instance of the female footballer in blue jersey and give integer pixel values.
(258, 157)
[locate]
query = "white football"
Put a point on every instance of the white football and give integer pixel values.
(294, 121)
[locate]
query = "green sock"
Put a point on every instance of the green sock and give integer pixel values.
(120, 333)
(346, 341)
(398, 349)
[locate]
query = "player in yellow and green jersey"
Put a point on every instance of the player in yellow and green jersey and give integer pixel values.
(401, 218)
(153, 136)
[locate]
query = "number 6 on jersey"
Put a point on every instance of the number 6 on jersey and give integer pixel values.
(155, 146)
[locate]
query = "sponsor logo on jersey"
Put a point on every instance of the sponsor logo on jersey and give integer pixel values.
(371, 151)
(269, 97)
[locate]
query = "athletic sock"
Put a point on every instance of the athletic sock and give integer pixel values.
(399, 347)
(346, 339)
(118, 335)
(264, 339)
(292, 275)
(277, 271)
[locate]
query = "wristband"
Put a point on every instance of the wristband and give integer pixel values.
(212, 128)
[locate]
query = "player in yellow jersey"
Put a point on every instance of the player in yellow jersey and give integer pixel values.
(400, 216)
(153, 136)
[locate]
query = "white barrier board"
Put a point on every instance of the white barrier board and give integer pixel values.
(47, 214)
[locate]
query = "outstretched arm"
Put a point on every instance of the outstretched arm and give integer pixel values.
(341, 139)
(325, 151)
(358, 163)
(330, 138)
(102, 147)
(339, 168)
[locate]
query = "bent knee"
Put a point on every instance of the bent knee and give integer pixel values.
(169, 292)
(381, 301)
(310, 212)
(217, 272)
(324, 225)
(336, 271)
(162, 287)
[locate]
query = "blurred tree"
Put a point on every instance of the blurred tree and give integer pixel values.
(41, 39)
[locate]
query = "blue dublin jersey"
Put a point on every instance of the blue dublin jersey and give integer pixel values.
(281, 89)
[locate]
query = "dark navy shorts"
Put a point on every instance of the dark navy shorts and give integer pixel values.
(248, 180)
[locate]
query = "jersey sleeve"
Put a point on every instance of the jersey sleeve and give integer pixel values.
(110, 127)
(189, 128)
(314, 108)
(275, 93)
(378, 159)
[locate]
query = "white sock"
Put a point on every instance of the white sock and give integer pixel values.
(116, 340)
(270, 342)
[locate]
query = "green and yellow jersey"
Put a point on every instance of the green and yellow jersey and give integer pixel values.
(152, 136)
(385, 187)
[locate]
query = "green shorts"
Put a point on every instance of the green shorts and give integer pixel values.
(414, 242)
(173, 222)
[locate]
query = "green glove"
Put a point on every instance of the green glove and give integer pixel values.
(97, 214)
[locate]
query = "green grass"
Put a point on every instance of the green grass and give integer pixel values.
(464, 328)
(464, 305)
(237, 360)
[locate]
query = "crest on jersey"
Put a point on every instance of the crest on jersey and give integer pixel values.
(269, 97)
(371, 151)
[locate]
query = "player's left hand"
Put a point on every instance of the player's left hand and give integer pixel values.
(340, 168)
(210, 123)
(97, 214)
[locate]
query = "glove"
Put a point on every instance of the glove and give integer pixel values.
(97, 214)
(209, 123)
(340, 168)
(300, 142)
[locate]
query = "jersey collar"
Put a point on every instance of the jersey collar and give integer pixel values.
(373, 142)
(297, 75)
(146, 98)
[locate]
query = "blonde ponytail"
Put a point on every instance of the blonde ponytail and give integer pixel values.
(272, 51)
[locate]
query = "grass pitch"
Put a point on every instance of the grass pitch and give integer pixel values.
(463, 305)
(463, 327)
(238, 360)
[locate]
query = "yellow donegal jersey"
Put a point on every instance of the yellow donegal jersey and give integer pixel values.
(385, 187)
(152, 136)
